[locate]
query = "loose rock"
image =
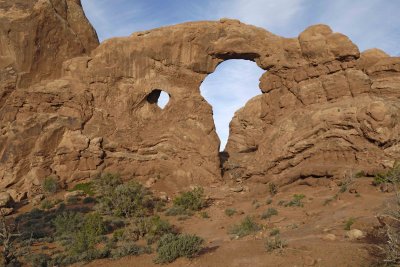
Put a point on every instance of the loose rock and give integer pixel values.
(354, 234)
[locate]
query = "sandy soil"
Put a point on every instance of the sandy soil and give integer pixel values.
(308, 230)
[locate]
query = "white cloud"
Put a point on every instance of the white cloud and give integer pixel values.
(262, 12)
(372, 23)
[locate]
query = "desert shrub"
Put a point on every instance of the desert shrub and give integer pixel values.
(390, 176)
(274, 232)
(274, 243)
(106, 183)
(268, 201)
(269, 213)
(88, 234)
(170, 247)
(188, 202)
(37, 223)
(38, 260)
(329, 200)
(204, 215)
(281, 202)
(360, 174)
(50, 185)
(67, 223)
(131, 199)
(230, 212)
(129, 249)
(118, 235)
(256, 204)
(246, 227)
(184, 217)
(296, 201)
(125, 200)
(8, 238)
(88, 200)
(349, 223)
(87, 188)
(273, 188)
(73, 200)
(67, 259)
(178, 210)
(347, 181)
(191, 200)
(151, 228)
(160, 205)
(46, 204)
(391, 247)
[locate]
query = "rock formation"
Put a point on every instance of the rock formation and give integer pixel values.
(323, 107)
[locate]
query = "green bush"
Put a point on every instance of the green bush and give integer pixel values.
(129, 249)
(269, 213)
(274, 232)
(349, 223)
(246, 227)
(131, 199)
(68, 223)
(273, 188)
(64, 259)
(390, 176)
(152, 228)
(178, 210)
(38, 260)
(274, 243)
(191, 200)
(88, 234)
(204, 215)
(87, 188)
(73, 200)
(296, 201)
(46, 204)
(50, 185)
(106, 183)
(88, 200)
(230, 212)
(171, 247)
(125, 200)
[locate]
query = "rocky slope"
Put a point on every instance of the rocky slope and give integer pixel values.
(72, 111)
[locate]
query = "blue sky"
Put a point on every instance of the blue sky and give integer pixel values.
(369, 23)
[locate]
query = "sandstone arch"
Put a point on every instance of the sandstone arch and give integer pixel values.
(324, 108)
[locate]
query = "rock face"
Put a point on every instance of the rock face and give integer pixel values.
(323, 108)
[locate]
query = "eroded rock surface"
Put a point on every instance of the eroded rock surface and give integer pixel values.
(323, 108)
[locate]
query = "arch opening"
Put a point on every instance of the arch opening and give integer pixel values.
(158, 97)
(227, 89)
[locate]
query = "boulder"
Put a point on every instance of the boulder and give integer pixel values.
(74, 194)
(354, 234)
(5, 200)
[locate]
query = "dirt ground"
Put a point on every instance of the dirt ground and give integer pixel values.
(315, 233)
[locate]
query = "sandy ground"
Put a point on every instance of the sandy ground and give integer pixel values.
(309, 230)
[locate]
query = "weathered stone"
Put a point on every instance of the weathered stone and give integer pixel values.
(237, 189)
(37, 199)
(5, 199)
(6, 211)
(73, 194)
(322, 108)
(329, 237)
(150, 182)
(354, 234)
